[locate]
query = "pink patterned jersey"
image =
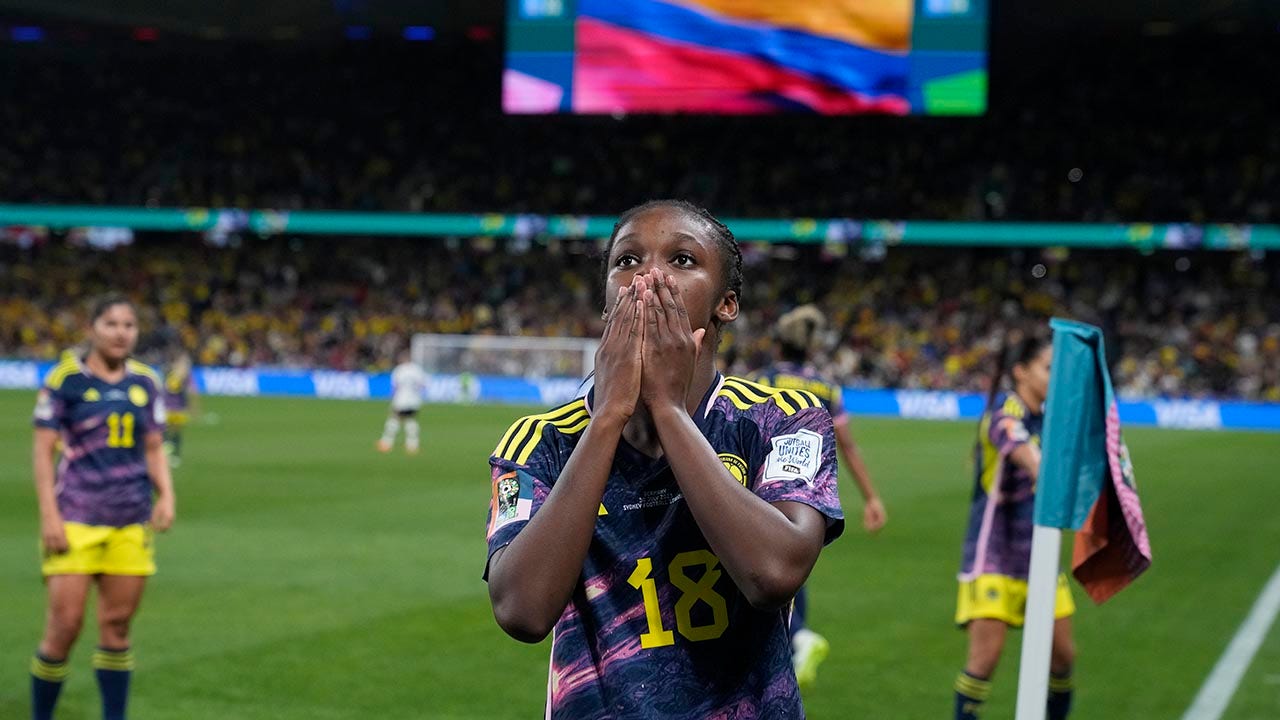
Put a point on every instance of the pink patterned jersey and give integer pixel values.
(656, 627)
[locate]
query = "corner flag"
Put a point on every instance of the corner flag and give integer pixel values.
(1086, 477)
(1085, 483)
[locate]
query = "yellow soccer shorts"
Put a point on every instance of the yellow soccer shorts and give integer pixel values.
(103, 550)
(999, 597)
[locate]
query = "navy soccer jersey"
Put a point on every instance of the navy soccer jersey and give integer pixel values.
(1001, 519)
(796, 376)
(177, 389)
(102, 478)
(657, 628)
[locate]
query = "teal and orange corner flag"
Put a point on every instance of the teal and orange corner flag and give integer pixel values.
(1086, 478)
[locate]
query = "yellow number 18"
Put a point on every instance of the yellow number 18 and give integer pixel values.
(691, 591)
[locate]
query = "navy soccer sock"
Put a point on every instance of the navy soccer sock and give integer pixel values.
(1060, 687)
(114, 669)
(47, 676)
(971, 693)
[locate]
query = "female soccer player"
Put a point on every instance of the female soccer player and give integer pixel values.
(997, 548)
(796, 335)
(180, 403)
(660, 525)
(97, 511)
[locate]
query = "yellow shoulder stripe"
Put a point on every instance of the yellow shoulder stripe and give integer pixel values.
(744, 394)
(1013, 407)
(523, 436)
(990, 455)
(140, 368)
(811, 397)
(59, 373)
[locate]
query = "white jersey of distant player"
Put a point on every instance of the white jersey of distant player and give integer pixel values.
(408, 382)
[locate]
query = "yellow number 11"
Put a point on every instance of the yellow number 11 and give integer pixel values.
(691, 592)
(120, 430)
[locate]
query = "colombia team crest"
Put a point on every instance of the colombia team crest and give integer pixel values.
(138, 395)
(736, 466)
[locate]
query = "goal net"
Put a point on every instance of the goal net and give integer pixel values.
(532, 358)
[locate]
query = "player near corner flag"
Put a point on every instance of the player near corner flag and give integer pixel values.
(997, 549)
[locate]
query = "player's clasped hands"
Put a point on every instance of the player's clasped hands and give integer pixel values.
(648, 351)
(670, 348)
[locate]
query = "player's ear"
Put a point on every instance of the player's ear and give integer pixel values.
(727, 311)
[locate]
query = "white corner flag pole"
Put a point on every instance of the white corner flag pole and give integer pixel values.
(1037, 633)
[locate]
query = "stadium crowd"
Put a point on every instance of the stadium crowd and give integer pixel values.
(339, 128)
(1179, 325)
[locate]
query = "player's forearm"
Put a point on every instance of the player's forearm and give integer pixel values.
(158, 466)
(767, 554)
(853, 458)
(42, 468)
(158, 469)
(532, 579)
(1027, 457)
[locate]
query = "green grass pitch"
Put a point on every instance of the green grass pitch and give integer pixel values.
(310, 577)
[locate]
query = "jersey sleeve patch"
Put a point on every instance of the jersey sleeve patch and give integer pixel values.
(512, 499)
(797, 456)
(159, 414)
(44, 406)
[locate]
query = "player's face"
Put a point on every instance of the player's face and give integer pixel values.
(1034, 375)
(672, 242)
(115, 333)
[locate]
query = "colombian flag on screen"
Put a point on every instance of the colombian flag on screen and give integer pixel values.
(733, 56)
(742, 56)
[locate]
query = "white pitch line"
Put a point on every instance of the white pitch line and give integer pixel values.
(1220, 686)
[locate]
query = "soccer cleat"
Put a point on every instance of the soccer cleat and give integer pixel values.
(384, 446)
(411, 449)
(809, 649)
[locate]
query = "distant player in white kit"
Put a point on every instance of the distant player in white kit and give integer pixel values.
(407, 384)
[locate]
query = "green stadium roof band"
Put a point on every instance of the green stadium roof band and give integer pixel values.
(1141, 236)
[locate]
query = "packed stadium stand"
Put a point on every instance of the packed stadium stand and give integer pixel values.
(1180, 325)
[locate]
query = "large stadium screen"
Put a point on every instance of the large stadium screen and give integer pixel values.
(836, 57)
